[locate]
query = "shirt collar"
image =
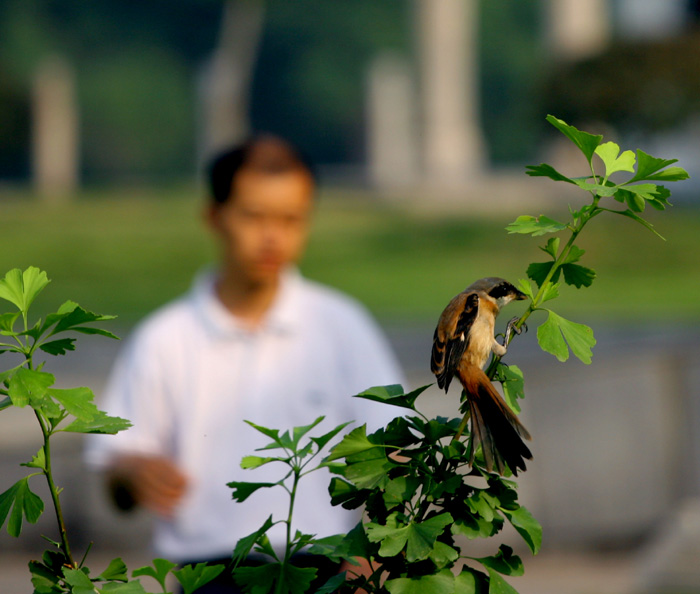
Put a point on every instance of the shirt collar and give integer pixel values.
(282, 317)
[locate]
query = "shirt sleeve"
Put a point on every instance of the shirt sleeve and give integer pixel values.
(137, 391)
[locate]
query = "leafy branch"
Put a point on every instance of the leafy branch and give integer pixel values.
(282, 576)
(557, 335)
(71, 410)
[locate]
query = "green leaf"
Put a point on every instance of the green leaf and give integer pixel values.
(648, 166)
(400, 489)
(354, 442)
(256, 461)
(551, 292)
(21, 288)
(552, 247)
(512, 380)
(635, 217)
(326, 437)
(477, 527)
(545, 170)
(504, 562)
(44, 580)
(527, 224)
(644, 191)
(116, 571)
(483, 504)
(608, 152)
(243, 490)
(587, 143)
(245, 544)
(79, 581)
(192, 577)
(603, 190)
(102, 423)
(29, 386)
(439, 583)
(346, 494)
(393, 395)
(538, 272)
(578, 276)
(278, 441)
(470, 581)
(634, 201)
(7, 323)
(660, 200)
(133, 587)
(299, 432)
(73, 317)
(58, 347)
(263, 579)
(38, 461)
(527, 526)
(443, 555)
(333, 584)
(556, 333)
(418, 537)
(23, 503)
(525, 286)
(368, 469)
(160, 570)
(497, 585)
(77, 402)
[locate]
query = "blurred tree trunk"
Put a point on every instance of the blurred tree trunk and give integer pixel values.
(453, 148)
(55, 161)
(225, 82)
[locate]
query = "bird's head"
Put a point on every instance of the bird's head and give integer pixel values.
(500, 290)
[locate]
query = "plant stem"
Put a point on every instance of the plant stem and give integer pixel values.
(53, 490)
(288, 522)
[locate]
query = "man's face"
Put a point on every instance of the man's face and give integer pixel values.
(264, 224)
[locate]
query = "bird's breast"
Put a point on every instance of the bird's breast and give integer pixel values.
(480, 340)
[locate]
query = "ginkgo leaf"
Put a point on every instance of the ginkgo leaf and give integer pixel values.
(609, 152)
(557, 335)
(505, 562)
(587, 143)
(24, 505)
(527, 224)
(21, 288)
(545, 170)
(650, 168)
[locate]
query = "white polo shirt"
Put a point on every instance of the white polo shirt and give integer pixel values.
(191, 374)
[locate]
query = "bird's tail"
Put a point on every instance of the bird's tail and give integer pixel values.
(494, 425)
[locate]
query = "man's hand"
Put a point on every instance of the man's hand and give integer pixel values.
(151, 481)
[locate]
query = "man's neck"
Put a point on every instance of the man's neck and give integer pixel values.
(248, 301)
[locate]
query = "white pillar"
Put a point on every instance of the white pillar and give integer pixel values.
(578, 28)
(225, 80)
(452, 140)
(392, 152)
(55, 158)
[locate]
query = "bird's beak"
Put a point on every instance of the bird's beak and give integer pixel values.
(519, 295)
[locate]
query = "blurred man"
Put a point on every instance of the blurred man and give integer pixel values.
(252, 340)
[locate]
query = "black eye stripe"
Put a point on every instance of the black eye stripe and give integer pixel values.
(501, 290)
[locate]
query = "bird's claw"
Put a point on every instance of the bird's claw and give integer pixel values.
(511, 327)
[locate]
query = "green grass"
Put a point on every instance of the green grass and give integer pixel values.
(127, 252)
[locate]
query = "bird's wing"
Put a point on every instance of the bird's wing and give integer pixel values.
(451, 336)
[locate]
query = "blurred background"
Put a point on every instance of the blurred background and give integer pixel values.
(421, 116)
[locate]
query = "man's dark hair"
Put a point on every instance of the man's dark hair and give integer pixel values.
(264, 154)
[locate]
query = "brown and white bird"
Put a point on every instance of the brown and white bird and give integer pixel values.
(463, 341)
